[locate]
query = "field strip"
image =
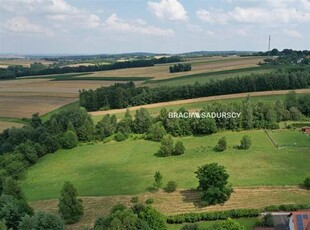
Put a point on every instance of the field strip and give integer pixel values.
(183, 201)
(201, 99)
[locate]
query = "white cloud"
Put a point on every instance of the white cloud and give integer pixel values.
(168, 9)
(255, 15)
(23, 25)
(139, 26)
(292, 33)
(55, 10)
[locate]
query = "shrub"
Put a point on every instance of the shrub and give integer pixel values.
(134, 199)
(245, 142)
(307, 183)
(156, 132)
(171, 186)
(149, 201)
(120, 136)
(190, 227)
(268, 220)
(42, 220)
(69, 140)
(221, 145)
(166, 147)
(179, 148)
(217, 215)
(158, 180)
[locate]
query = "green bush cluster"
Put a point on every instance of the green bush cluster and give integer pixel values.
(207, 216)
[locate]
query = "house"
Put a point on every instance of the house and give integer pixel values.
(305, 129)
(308, 57)
(299, 220)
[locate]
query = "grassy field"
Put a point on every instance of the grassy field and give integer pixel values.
(199, 103)
(207, 77)
(285, 138)
(99, 170)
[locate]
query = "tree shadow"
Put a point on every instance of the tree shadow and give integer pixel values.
(193, 196)
(151, 189)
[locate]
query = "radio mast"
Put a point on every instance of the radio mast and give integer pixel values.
(269, 46)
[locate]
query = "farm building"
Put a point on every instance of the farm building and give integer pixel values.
(299, 220)
(305, 129)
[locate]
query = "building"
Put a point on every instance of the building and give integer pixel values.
(299, 220)
(305, 129)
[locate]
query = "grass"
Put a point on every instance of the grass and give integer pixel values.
(248, 223)
(208, 76)
(290, 138)
(48, 115)
(98, 169)
(77, 77)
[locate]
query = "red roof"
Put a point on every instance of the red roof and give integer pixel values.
(301, 220)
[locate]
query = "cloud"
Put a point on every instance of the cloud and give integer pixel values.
(23, 25)
(292, 33)
(255, 15)
(113, 23)
(54, 10)
(168, 9)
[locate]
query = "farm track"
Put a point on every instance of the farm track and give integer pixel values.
(184, 201)
(201, 99)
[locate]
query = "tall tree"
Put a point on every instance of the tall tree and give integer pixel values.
(213, 182)
(70, 207)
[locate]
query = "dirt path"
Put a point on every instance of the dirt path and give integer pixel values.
(183, 201)
(201, 99)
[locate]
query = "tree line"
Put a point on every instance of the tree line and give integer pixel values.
(123, 95)
(22, 147)
(15, 71)
(181, 67)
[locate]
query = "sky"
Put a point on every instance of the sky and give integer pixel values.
(160, 26)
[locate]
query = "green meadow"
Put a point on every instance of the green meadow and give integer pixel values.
(128, 167)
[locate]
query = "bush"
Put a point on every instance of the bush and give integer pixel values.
(208, 216)
(245, 142)
(307, 183)
(120, 136)
(190, 227)
(42, 220)
(179, 148)
(221, 145)
(149, 201)
(166, 147)
(156, 132)
(134, 199)
(158, 180)
(171, 186)
(69, 140)
(268, 220)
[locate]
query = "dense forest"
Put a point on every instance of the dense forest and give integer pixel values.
(13, 72)
(124, 95)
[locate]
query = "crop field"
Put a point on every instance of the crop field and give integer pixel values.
(8, 124)
(22, 62)
(97, 169)
(202, 66)
(23, 97)
(207, 77)
(198, 103)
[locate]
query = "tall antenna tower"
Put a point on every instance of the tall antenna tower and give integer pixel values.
(269, 46)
